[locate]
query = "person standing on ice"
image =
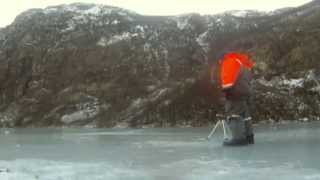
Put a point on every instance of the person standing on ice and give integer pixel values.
(235, 77)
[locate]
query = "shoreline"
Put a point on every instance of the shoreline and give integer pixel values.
(152, 126)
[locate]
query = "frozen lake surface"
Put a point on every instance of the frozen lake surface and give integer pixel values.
(283, 152)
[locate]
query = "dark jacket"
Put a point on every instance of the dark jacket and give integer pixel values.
(242, 88)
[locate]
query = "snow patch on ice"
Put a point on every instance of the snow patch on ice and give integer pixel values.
(113, 133)
(167, 144)
(32, 169)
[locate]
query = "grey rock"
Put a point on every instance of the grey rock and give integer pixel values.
(102, 66)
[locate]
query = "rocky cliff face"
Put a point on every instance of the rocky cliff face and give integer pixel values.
(94, 65)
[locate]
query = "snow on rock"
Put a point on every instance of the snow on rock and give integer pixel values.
(219, 22)
(159, 93)
(238, 13)
(311, 76)
(81, 19)
(305, 119)
(279, 11)
(95, 10)
(302, 107)
(82, 14)
(121, 37)
(81, 8)
(137, 104)
(139, 28)
(26, 16)
(167, 102)
(71, 8)
(8, 116)
(202, 41)
(265, 82)
(151, 88)
(121, 125)
(245, 13)
(115, 22)
(71, 26)
(140, 102)
(77, 116)
(84, 112)
(167, 67)
(315, 89)
(182, 24)
(182, 21)
(147, 47)
(283, 82)
(292, 82)
(50, 10)
(102, 42)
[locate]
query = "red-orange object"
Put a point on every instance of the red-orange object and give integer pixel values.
(231, 65)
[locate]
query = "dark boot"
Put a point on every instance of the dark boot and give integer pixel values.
(235, 142)
(249, 130)
(250, 139)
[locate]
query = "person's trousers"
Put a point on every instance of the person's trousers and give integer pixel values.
(238, 123)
